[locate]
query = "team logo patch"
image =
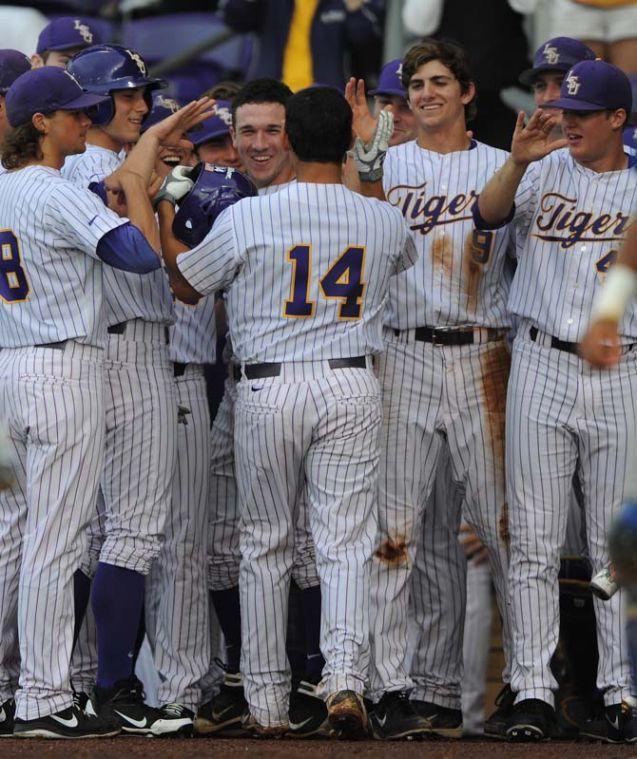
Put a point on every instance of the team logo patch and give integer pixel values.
(224, 114)
(84, 30)
(399, 70)
(551, 54)
(573, 84)
(138, 60)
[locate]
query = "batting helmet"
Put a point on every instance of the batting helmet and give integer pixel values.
(103, 69)
(215, 189)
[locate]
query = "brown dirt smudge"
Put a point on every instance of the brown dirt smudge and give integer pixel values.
(496, 364)
(442, 253)
(393, 552)
(503, 525)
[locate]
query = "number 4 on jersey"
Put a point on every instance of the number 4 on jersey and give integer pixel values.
(343, 281)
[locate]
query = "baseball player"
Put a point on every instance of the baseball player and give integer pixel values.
(445, 369)
(571, 209)
(213, 141)
(177, 593)
(61, 39)
(141, 411)
(258, 134)
(52, 339)
(308, 407)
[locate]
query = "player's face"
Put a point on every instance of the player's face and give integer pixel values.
(435, 97)
(591, 135)
(67, 131)
(60, 58)
(259, 137)
(169, 156)
(404, 120)
(220, 151)
(130, 109)
(546, 86)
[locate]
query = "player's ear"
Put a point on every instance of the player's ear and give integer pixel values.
(39, 122)
(37, 61)
(286, 141)
(618, 118)
(469, 95)
(233, 137)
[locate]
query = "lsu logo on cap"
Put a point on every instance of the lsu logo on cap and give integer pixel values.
(137, 58)
(551, 54)
(84, 30)
(168, 103)
(573, 84)
(399, 70)
(225, 115)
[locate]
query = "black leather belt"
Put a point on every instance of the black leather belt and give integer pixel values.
(120, 329)
(442, 336)
(273, 369)
(179, 369)
(560, 345)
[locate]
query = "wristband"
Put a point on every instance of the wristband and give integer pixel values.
(611, 301)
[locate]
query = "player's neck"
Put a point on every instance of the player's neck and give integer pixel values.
(614, 160)
(447, 140)
(319, 173)
(99, 137)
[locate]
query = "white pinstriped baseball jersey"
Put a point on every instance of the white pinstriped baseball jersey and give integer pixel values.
(572, 222)
(309, 289)
(460, 277)
(193, 336)
(51, 283)
(128, 296)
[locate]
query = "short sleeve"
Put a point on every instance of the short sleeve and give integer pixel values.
(79, 219)
(526, 197)
(212, 265)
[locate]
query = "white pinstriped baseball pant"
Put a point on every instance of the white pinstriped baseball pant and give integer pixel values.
(53, 400)
(432, 393)
(316, 429)
(563, 415)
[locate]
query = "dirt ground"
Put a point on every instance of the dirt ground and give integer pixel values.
(289, 749)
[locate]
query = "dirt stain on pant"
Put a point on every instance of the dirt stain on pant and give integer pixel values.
(393, 552)
(496, 365)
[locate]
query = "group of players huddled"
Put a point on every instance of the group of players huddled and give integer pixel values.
(408, 347)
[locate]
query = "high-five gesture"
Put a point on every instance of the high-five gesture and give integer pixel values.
(533, 141)
(364, 124)
(170, 131)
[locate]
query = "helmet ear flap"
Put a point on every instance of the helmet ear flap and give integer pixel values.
(103, 114)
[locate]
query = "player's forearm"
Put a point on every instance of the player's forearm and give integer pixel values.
(170, 249)
(140, 211)
(498, 195)
(620, 288)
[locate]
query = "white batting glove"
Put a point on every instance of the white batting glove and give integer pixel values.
(176, 186)
(369, 157)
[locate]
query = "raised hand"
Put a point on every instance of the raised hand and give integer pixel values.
(364, 124)
(533, 141)
(170, 131)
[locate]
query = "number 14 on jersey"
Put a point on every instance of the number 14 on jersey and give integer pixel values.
(343, 281)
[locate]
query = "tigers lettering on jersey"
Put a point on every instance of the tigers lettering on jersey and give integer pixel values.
(571, 222)
(460, 278)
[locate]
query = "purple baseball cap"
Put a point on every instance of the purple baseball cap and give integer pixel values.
(67, 32)
(12, 64)
(216, 126)
(389, 82)
(594, 86)
(163, 107)
(46, 90)
(557, 54)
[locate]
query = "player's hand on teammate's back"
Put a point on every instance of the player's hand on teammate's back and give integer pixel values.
(600, 345)
(532, 141)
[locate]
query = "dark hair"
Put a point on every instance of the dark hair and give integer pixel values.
(261, 91)
(451, 55)
(223, 90)
(318, 122)
(21, 145)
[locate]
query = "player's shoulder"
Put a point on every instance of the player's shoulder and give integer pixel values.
(497, 155)
(93, 164)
